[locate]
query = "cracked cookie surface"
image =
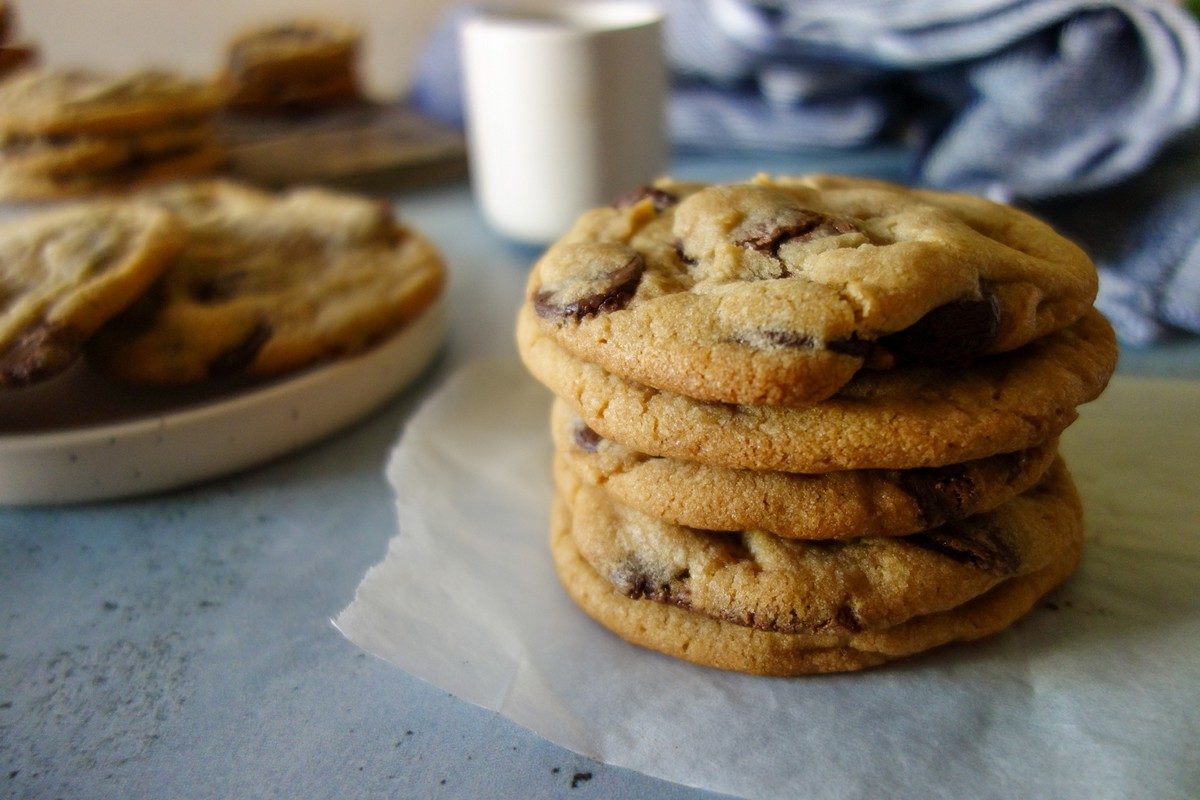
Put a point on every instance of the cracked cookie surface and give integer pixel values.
(779, 291)
(884, 419)
(833, 505)
(710, 642)
(759, 580)
(267, 284)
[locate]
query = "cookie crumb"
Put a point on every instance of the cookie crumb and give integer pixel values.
(555, 770)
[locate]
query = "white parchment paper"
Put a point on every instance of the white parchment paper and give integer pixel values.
(1094, 695)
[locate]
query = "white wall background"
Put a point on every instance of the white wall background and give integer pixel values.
(190, 35)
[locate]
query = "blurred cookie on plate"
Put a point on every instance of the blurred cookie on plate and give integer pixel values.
(298, 65)
(268, 284)
(66, 133)
(65, 273)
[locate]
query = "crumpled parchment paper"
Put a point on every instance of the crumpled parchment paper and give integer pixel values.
(1094, 695)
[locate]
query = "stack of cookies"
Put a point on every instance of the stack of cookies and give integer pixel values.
(204, 281)
(810, 424)
(71, 133)
(302, 65)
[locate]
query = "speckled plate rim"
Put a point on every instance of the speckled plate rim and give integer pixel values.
(173, 447)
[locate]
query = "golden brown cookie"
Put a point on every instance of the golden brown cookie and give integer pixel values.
(268, 284)
(56, 102)
(778, 291)
(64, 273)
(46, 157)
(296, 65)
(832, 505)
(886, 419)
(724, 645)
(756, 579)
(130, 173)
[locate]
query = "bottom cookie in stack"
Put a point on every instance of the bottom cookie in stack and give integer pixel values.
(752, 602)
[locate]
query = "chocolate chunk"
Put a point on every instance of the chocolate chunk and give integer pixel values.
(658, 197)
(636, 580)
(141, 314)
(976, 545)
(786, 339)
(218, 288)
(942, 493)
(799, 224)
(1015, 464)
(41, 351)
(848, 619)
(241, 355)
(587, 439)
(951, 333)
(853, 346)
(615, 290)
(683, 256)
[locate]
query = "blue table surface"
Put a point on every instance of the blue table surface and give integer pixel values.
(179, 645)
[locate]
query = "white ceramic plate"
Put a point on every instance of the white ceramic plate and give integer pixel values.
(80, 437)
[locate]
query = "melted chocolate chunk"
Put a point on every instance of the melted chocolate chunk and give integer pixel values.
(977, 546)
(684, 257)
(951, 333)
(40, 352)
(942, 493)
(636, 580)
(587, 439)
(803, 225)
(618, 287)
(848, 619)
(1015, 464)
(859, 348)
(854, 346)
(241, 355)
(218, 288)
(142, 313)
(788, 339)
(658, 197)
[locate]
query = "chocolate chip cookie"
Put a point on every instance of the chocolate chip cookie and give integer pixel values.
(759, 580)
(75, 102)
(884, 419)
(73, 133)
(704, 640)
(296, 65)
(267, 284)
(834, 505)
(779, 291)
(66, 272)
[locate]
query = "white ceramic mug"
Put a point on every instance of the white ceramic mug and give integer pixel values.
(564, 111)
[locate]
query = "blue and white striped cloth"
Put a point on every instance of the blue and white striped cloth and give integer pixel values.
(1065, 104)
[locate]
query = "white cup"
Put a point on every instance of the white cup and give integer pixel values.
(564, 111)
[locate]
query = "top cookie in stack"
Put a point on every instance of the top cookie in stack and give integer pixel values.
(300, 65)
(70, 133)
(813, 417)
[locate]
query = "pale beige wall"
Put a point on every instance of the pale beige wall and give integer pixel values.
(190, 34)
